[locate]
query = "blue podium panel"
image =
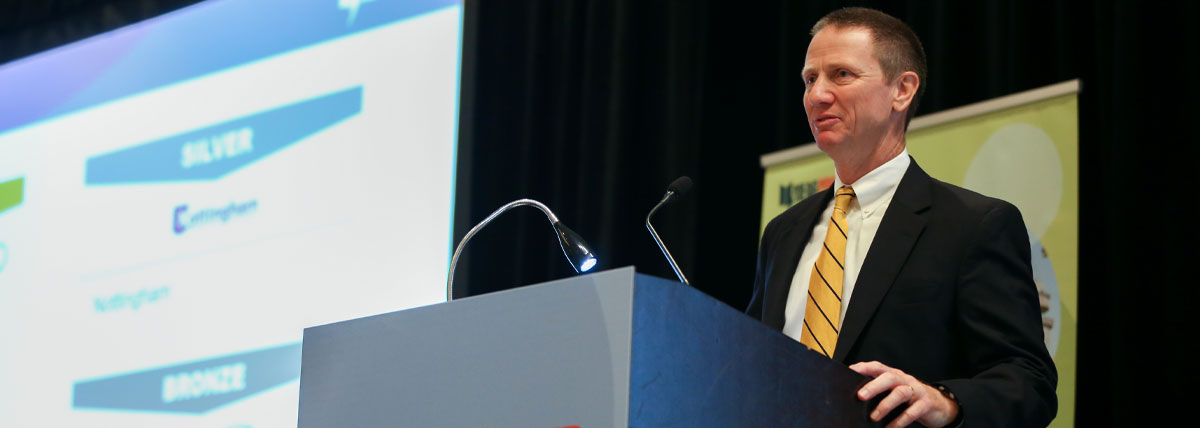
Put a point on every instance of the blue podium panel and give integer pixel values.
(698, 362)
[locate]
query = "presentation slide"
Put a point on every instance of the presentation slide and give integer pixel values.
(180, 198)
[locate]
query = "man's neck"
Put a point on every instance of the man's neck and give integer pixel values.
(851, 168)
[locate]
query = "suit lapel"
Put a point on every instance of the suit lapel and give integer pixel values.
(790, 247)
(898, 232)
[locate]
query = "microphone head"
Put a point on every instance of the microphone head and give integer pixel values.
(680, 186)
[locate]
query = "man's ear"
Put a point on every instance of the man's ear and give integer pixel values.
(906, 89)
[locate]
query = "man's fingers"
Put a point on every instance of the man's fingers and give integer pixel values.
(899, 389)
(910, 415)
(870, 368)
(878, 385)
(899, 394)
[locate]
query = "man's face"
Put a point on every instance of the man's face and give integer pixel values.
(846, 95)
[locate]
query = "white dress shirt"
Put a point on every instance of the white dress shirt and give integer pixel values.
(873, 193)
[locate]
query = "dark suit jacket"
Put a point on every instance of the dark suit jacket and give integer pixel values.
(945, 294)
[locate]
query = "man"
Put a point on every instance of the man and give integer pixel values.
(924, 286)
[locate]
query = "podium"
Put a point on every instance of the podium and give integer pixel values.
(609, 349)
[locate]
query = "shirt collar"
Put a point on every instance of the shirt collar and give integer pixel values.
(869, 191)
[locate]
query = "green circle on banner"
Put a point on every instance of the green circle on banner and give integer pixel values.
(1019, 163)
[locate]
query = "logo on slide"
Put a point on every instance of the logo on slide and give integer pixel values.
(195, 387)
(186, 219)
(213, 151)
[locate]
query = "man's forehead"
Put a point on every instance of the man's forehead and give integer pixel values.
(840, 46)
(852, 32)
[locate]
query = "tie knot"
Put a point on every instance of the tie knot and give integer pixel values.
(842, 198)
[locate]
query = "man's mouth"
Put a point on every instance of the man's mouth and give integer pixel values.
(825, 120)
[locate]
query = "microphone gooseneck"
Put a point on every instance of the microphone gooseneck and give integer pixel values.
(574, 247)
(677, 189)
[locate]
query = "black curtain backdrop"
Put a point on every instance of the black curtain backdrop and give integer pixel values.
(593, 107)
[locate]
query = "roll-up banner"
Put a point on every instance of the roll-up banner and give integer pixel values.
(1022, 148)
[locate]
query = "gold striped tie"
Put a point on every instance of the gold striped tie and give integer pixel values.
(824, 305)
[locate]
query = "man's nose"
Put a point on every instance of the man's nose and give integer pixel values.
(819, 93)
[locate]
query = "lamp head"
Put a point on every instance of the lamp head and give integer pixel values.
(575, 248)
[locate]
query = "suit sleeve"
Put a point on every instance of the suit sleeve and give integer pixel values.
(1000, 329)
(755, 308)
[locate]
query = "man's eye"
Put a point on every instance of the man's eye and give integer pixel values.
(809, 80)
(843, 73)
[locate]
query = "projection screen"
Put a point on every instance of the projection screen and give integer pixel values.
(181, 197)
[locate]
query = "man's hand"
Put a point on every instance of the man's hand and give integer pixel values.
(926, 405)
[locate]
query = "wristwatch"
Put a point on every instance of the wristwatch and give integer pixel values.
(946, 392)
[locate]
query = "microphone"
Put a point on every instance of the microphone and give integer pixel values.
(574, 247)
(676, 190)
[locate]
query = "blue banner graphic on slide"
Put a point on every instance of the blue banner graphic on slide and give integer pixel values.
(213, 151)
(194, 387)
(165, 50)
